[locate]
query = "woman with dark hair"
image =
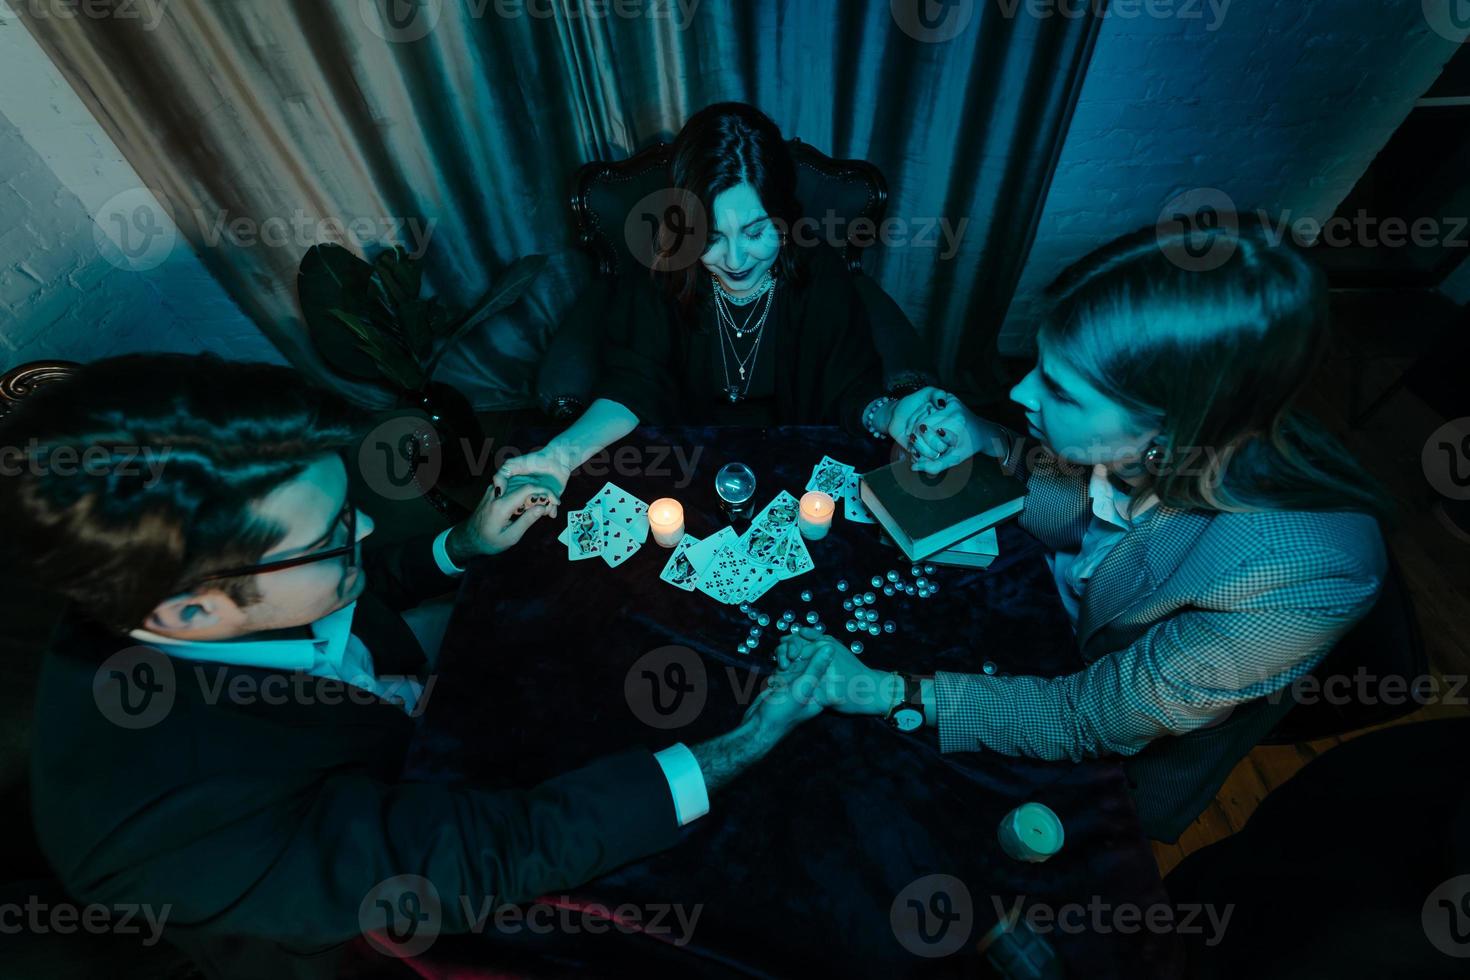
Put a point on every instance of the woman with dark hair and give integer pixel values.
(1210, 544)
(738, 324)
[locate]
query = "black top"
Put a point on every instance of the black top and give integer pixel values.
(263, 822)
(816, 364)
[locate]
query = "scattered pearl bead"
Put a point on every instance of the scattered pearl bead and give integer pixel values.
(890, 627)
(892, 575)
(928, 569)
(850, 626)
(873, 629)
(916, 571)
(847, 605)
(821, 627)
(812, 618)
(745, 607)
(763, 619)
(869, 598)
(806, 596)
(989, 667)
(842, 585)
(888, 590)
(877, 581)
(856, 647)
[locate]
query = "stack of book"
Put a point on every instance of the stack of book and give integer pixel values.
(948, 518)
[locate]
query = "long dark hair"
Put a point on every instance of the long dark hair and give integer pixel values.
(1217, 354)
(120, 536)
(722, 146)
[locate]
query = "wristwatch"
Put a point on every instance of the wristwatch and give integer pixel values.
(908, 714)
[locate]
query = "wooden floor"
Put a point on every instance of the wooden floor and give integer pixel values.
(1436, 568)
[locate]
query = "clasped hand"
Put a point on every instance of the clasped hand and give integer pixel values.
(938, 430)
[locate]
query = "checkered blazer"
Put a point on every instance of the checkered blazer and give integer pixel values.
(1191, 614)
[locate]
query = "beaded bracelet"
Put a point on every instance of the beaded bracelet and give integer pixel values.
(873, 408)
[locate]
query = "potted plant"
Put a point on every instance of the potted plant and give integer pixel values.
(371, 322)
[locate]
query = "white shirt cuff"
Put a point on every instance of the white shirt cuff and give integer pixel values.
(441, 555)
(686, 782)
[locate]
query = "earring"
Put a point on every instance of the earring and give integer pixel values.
(1154, 455)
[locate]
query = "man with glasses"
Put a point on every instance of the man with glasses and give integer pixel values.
(224, 711)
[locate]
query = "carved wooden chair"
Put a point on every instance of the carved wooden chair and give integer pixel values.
(19, 382)
(605, 193)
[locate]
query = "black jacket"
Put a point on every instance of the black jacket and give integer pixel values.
(264, 826)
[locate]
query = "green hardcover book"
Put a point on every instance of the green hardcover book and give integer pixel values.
(925, 514)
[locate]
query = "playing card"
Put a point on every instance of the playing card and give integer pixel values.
(701, 554)
(680, 571)
(584, 534)
(623, 511)
(765, 539)
(623, 520)
(830, 477)
(853, 507)
(759, 579)
(730, 575)
(797, 561)
(779, 513)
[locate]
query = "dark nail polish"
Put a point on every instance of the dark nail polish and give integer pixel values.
(941, 433)
(923, 428)
(942, 403)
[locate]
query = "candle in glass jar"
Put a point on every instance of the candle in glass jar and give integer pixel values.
(666, 521)
(815, 520)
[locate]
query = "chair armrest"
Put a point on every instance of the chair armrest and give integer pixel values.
(569, 369)
(908, 364)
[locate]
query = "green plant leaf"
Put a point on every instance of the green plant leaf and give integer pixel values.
(395, 363)
(511, 285)
(402, 276)
(332, 278)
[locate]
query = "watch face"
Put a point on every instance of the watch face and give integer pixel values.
(908, 719)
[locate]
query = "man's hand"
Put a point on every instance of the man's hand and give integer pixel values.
(789, 698)
(499, 522)
(847, 685)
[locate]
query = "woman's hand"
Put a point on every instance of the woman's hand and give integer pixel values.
(790, 697)
(945, 433)
(546, 469)
(847, 685)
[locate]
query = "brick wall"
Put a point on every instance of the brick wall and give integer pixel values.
(1280, 104)
(65, 289)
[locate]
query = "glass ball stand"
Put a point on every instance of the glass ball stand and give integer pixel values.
(735, 486)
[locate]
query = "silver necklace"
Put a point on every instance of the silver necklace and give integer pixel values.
(755, 293)
(727, 326)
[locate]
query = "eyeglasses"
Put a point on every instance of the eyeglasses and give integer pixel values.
(346, 518)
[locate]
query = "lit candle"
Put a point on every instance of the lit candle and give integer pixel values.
(1031, 832)
(666, 521)
(816, 515)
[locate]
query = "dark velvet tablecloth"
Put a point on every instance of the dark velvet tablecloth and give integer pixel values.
(800, 862)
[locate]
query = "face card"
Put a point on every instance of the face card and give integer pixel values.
(766, 545)
(830, 477)
(680, 571)
(584, 534)
(798, 561)
(853, 507)
(779, 513)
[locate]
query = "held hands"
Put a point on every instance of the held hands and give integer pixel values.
(500, 521)
(940, 432)
(790, 697)
(547, 469)
(845, 684)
